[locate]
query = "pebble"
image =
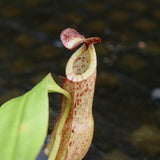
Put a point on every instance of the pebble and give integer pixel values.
(95, 26)
(50, 27)
(96, 7)
(147, 137)
(115, 155)
(141, 45)
(138, 6)
(11, 11)
(155, 94)
(20, 66)
(156, 13)
(119, 15)
(153, 48)
(25, 40)
(124, 37)
(57, 43)
(46, 52)
(132, 62)
(145, 24)
(107, 80)
(73, 17)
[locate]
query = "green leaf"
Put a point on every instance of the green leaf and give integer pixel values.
(24, 121)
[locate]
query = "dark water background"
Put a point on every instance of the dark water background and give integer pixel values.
(127, 97)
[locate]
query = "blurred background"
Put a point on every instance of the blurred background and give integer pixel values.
(127, 98)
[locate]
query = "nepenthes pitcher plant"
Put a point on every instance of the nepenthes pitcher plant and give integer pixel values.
(73, 131)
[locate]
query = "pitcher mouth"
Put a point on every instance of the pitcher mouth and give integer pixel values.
(82, 63)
